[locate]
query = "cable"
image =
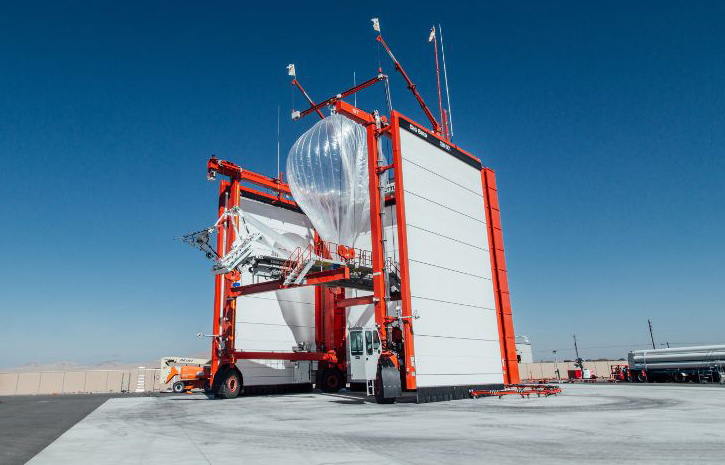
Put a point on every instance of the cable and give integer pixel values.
(595, 347)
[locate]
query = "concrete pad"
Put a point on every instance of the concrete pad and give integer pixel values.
(593, 423)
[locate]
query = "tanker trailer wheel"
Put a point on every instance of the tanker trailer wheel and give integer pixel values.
(331, 380)
(230, 385)
(178, 387)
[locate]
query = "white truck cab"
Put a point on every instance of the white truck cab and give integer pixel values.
(363, 351)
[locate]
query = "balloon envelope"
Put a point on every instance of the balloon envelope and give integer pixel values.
(328, 175)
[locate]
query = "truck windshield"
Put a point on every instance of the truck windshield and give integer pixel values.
(356, 343)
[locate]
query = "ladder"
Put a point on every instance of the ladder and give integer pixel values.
(141, 380)
(297, 266)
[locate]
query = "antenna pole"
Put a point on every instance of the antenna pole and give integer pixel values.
(434, 39)
(354, 84)
(649, 322)
(449, 115)
(278, 172)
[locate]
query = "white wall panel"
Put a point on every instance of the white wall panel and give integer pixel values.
(431, 282)
(428, 247)
(419, 152)
(456, 335)
(424, 214)
(265, 322)
(460, 379)
(476, 317)
(266, 372)
(279, 320)
(450, 356)
(446, 195)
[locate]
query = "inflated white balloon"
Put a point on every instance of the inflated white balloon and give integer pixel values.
(328, 175)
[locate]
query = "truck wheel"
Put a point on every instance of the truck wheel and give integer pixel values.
(230, 386)
(178, 387)
(207, 387)
(379, 392)
(331, 380)
(387, 382)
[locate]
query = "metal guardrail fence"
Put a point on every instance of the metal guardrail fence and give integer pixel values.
(554, 370)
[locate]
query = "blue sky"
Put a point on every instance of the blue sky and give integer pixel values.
(604, 121)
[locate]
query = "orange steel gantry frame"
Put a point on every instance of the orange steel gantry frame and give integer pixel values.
(225, 293)
(330, 325)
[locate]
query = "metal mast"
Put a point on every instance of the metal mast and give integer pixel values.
(449, 118)
(432, 38)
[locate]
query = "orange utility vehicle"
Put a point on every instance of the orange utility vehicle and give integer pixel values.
(186, 373)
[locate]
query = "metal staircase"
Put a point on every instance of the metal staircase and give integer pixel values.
(296, 267)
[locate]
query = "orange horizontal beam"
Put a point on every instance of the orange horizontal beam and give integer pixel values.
(227, 168)
(299, 356)
(354, 113)
(273, 199)
(351, 302)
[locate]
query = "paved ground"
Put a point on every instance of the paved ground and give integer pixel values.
(29, 423)
(594, 423)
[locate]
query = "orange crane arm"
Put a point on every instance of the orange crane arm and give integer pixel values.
(309, 99)
(411, 86)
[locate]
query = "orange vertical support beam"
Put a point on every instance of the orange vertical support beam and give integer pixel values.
(319, 313)
(328, 317)
(405, 303)
(340, 321)
(507, 337)
(230, 303)
(332, 321)
(320, 300)
(329, 322)
(219, 290)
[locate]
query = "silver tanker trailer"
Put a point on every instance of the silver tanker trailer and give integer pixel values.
(679, 364)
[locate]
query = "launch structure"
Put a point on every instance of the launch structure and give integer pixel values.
(387, 273)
